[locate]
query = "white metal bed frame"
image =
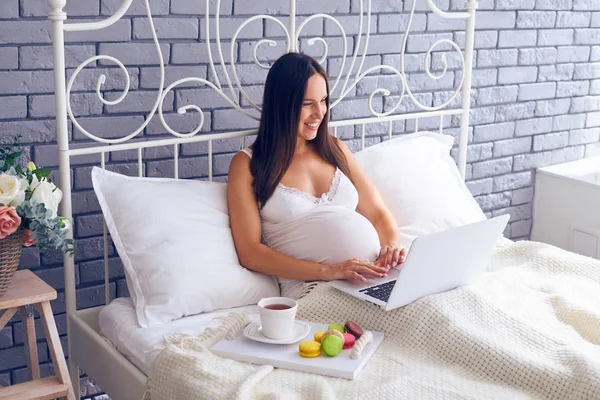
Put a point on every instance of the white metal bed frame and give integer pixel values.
(87, 349)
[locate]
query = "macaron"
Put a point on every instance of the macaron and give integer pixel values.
(353, 328)
(332, 345)
(309, 349)
(336, 327)
(318, 336)
(334, 333)
(349, 341)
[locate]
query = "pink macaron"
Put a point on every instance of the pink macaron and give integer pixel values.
(349, 341)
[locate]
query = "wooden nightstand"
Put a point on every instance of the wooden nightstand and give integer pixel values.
(26, 291)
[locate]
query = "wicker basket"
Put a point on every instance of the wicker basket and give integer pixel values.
(10, 254)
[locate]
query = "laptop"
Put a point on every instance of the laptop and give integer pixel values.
(435, 263)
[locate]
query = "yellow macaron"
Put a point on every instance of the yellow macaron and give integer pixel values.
(319, 336)
(310, 349)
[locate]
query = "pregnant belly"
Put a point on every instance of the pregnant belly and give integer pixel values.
(328, 235)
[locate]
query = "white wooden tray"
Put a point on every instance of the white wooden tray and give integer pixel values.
(287, 356)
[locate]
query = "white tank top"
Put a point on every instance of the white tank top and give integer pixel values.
(325, 229)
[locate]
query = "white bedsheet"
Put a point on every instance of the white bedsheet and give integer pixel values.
(141, 346)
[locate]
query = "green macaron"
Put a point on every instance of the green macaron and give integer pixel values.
(332, 345)
(336, 327)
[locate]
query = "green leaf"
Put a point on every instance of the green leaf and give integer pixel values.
(42, 173)
(50, 232)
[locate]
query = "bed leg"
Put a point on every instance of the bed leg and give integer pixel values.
(74, 372)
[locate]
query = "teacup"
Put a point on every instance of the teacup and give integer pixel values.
(277, 315)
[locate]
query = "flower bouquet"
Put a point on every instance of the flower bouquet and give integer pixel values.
(28, 212)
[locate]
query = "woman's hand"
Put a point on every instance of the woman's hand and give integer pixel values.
(390, 256)
(354, 269)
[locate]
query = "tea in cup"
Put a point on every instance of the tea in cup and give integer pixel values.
(277, 316)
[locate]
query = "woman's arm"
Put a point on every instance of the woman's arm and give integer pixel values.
(246, 229)
(372, 207)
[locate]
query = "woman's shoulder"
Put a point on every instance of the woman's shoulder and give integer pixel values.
(243, 157)
(247, 151)
(240, 162)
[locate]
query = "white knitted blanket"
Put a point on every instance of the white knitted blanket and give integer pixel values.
(527, 329)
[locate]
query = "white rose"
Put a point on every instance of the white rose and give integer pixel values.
(47, 193)
(12, 191)
(21, 196)
(34, 183)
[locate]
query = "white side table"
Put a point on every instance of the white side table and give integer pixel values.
(566, 206)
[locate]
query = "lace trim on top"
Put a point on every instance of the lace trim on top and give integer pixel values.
(333, 187)
(328, 196)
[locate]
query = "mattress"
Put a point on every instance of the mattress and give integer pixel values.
(141, 346)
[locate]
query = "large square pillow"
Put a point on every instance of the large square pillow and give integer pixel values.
(420, 184)
(175, 242)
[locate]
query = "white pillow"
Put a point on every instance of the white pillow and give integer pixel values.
(175, 242)
(420, 183)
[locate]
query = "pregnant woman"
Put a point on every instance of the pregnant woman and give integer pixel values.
(300, 206)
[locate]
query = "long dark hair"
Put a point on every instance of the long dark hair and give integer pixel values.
(273, 150)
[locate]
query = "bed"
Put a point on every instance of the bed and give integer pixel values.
(117, 353)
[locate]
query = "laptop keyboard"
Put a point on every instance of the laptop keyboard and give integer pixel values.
(380, 292)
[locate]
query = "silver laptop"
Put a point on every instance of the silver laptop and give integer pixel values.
(435, 263)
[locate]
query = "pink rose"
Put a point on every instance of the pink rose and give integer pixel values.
(9, 221)
(27, 240)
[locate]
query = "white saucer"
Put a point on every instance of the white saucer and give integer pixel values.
(254, 332)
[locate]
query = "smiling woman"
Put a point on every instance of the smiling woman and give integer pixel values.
(295, 94)
(300, 206)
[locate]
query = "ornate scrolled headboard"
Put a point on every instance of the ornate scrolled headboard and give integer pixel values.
(344, 46)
